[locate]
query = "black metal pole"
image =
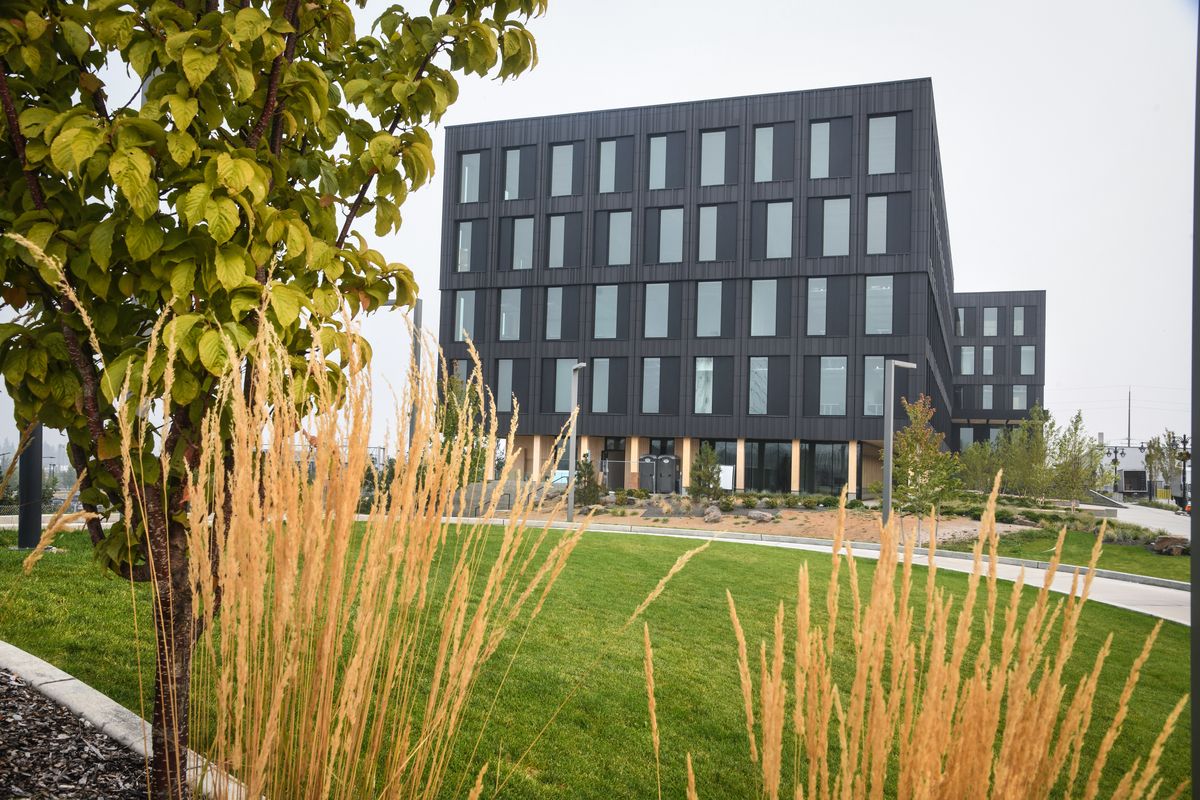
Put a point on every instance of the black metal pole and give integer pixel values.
(29, 492)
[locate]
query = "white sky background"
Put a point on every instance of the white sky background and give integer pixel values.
(1066, 134)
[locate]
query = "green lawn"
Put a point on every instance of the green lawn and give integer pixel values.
(1038, 545)
(599, 747)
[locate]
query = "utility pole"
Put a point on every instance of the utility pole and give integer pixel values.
(416, 355)
(889, 428)
(571, 445)
(1129, 418)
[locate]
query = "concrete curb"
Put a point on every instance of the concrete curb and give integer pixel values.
(110, 717)
(826, 544)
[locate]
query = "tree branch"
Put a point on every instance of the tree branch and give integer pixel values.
(18, 139)
(272, 99)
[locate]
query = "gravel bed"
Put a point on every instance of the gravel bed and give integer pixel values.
(48, 752)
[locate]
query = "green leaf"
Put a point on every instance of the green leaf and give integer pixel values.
(184, 387)
(198, 65)
(33, 58)
(235, 174)
(77, 39)
(222, 218)
(143, 238)
(286, 302)
(183, 278)
(231, 267)
(101, 242)
(73, 147)
(212, 352)
(35, 26)
(250, 24)
(182, 147)
(193, 204)
(183, 110)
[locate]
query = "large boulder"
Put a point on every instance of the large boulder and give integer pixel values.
(712, 514)
(761, 516)
(1172, 546)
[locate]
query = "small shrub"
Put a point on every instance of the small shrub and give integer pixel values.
(829, 501)
(809, 501)
(791, 500)
(855, 503)
(1005, 515)
(749, 501)
(771, 502)
(622, 497)
(725, 503)
(640, 494)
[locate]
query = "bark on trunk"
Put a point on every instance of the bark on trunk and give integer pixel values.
(174, 638)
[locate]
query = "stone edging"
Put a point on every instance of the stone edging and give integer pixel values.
(1128, 577)
(109, 717)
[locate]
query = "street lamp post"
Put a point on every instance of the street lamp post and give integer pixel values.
(571, 442)
(889, 428)
(29, 492)
(1117, 454)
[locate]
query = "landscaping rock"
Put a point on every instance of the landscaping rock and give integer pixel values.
(1172, 546)
(712, 514)
(761, 516)
(596, 509)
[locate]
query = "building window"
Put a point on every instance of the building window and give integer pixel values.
(558, 231)
(991, 320)
(985, 397)
(988, 360)
(835, 227)
(824, 467)
(562, 170)
(564, 241)
(554, 305)
(466, 230)
(704, 385)
(876, 224)
(717, 233)
(763, 303)
(829, 148)
(562, 385)
(759, 370)
(1018, 321)
(764, 153)
(510, 315)
(658, 303)
(881, 145)
(1020, 398)
(666, 161)
(600, 385)
(888, 228)
(994, 435)
(833, 386)
(708, 308)
(712, 158)
(670, 235)
(873, 386)
(512, 175)
(966, 361)
(1027, 359)
(606, 313)
(464, 316)
(608, 166)
(504, 392)
(960, 322)
(879, 304)
(818, 293)
(620, 227)
(651, 372)
(966, 437)
(522, 243)
(708, 233)
(779, 230)
(658, 162)
(469, 171)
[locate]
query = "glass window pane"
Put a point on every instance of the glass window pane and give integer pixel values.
(1027, 359)
(1019, 321)
(712, 158)
(608, 166)
(966, 437)
(817, 292)
(988, 360)
(606, 312)
(658, 162)
(512, 174)
(764, 153)
(522, 255)
(650, 378)
(879, 304)
(833, 385)
(670, 235)
(562, 157)
(836, 233)
(881, 147)
(657, 301)
(762, 308)
(779, 230)
(504, 385)
(873, 386)
(562, 384)
(708, 233)
(463, 264)
(708, 308)
(510, 315)
(985, 400)
(990, 319)
(994, 434)
(819, 150)
(960, 321)
(600, 386)
(966, 361)
(554, 313)
(876, 224)
(758, 385)
(468, 176)
(1020, 398)
(558, 232)
(619, 229)
(464, 316)
(704, 385)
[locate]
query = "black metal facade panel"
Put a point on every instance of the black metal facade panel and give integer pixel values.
(922, 310)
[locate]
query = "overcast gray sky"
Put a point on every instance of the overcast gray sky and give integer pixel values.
(1066, 132)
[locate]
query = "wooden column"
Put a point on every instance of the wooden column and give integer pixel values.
(739, 471)
(795, 465)
(536, 455)
(685, 465)
(852, 469)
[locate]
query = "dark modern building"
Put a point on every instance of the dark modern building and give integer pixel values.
(732, 271)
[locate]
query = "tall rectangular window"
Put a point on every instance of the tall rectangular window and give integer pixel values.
(465, 237)
(708, 308)
(764, 153)
(512, 174)
(708, 233)
(836, 227)
(562, 385)
(881, 145)
(779, 229)
(819, 150)
(606, 313)
(704, 385)
(670, 235)
(966, 361)
(989, 360)
(818, 294)
(960, 322)
(510, 315)
(558, 238)
(608, 166)
(504, 392)
(562, 169)
(522, 252)
(464, 315)
(966, 437)
(991, 321)
(879, 304)
(658, 301)
(600, 368)
(833, 386)
(658, 162)
(712, 158)
(468, 177)
(1028, 359)
(1018, 321)
(758, 385)
(554, 306)
(620, 229)
(877, 224)
(985, 397)
(873, 386)
(994, 435)
(1020, 398)
(651, 372)
(762, 307)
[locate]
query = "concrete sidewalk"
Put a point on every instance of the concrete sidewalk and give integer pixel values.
(1156, 519)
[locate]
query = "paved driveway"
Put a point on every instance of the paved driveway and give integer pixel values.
(1157, 519)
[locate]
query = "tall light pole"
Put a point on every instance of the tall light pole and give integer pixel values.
(889, 427)
(575, 370)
